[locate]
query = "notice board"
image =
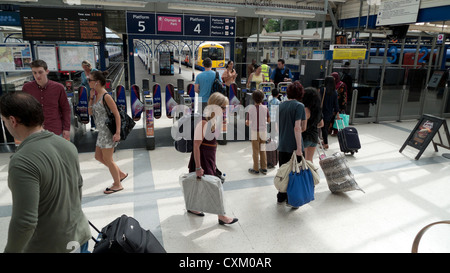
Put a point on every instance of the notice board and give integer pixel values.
(397, 12)
(47, 53)
(71, 56)
(425, 131)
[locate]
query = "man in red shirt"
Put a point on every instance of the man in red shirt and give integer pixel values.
(53, 99)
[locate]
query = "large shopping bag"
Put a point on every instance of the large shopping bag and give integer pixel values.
(338, 174)
(300, 189)
(203, 194)
(345, 118)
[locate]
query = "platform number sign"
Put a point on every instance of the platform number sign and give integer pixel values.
(140, 23)
(145, 23)
(197, 25)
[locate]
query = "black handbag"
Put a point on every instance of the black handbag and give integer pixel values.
(126, 122)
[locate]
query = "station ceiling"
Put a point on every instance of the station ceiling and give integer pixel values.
(248, 12)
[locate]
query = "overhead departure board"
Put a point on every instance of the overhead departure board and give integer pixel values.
(54, 24)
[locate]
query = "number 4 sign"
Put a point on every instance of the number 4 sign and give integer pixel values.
(197, 25)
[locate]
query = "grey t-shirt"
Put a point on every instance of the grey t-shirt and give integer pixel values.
(290, 111)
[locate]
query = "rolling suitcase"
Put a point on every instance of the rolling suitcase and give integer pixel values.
(125, 235)
(348, 139)
(271, 154)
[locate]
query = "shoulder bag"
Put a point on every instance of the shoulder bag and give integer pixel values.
(126, 122)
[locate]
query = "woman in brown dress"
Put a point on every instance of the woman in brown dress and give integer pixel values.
(203, 156)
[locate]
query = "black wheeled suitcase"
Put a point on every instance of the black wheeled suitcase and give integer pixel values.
(125, 235)
(348, 139)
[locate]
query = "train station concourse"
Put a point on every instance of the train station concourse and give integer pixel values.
(369, 80)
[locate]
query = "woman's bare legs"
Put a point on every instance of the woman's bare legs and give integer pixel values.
(105, 156)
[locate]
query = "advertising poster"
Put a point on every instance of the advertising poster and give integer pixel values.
(15, 57)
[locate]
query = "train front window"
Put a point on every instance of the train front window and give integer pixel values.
(214, 53)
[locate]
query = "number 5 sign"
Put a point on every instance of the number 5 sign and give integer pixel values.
(140, 23)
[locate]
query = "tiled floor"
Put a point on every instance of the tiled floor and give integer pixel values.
(401, 196)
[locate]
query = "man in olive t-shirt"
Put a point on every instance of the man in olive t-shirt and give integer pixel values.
(45, 181)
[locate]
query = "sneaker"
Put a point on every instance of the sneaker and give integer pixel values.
(263, 171)
(252, 171)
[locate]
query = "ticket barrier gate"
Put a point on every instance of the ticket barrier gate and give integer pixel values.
(266, 88)
(79, 110)
(282, 88)
(149, 122)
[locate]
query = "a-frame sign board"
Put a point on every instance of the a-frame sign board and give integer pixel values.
(425, 131)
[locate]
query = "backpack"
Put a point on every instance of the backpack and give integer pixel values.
(184, 141)
(217, 85)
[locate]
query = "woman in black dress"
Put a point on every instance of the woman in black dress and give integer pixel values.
(203, 156)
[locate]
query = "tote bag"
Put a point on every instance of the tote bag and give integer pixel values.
(300, 188)
(345, 122)
(281, 178)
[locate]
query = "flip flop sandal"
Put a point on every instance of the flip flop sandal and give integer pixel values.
(111, 190)
(123, 178)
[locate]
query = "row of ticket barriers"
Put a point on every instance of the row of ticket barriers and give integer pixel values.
(147, 101)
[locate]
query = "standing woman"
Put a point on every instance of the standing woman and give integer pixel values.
(203, 156)
(330, 107)
(256, 76)
(106, 141)
(87, 69)
(311, 100)
(229, 75)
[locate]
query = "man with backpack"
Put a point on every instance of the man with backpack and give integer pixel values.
(204, 84)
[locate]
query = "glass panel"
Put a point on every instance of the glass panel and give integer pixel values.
(392, 92)
(436, 86)
(415, 83)
(368, 87)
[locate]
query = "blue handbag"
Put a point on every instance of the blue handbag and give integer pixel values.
(300, 188)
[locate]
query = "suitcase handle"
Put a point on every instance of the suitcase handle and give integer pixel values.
(323, 150)
(337, 124)
(96, 229)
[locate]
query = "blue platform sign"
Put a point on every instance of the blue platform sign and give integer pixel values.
(223, 26)
(140, 23)
(197, 25)
(146, 23)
